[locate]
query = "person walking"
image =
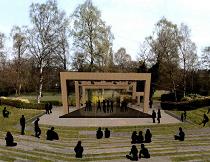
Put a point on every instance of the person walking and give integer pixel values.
(36, 128)
(153, 115)
(158, 115)
(22, 124)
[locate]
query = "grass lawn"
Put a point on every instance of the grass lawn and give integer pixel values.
(158, 93)
(10, 124)
(196, 116)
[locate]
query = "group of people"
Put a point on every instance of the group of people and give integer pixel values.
(154, 115)
(51, 134)
(140, 138)
(88, 105)
(143, 153)
(124, 106)
(106, 105)
(99, 133)
(48, 108)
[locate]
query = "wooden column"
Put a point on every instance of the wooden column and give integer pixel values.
(83, 95)
(77, 95)
(134, 91)
(64, 95)
(146, 94)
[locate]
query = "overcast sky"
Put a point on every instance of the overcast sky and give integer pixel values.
(131, 20)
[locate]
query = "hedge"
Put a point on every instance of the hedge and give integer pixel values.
(170, 97)
(186, 105)
(21, 104)
(53, 102)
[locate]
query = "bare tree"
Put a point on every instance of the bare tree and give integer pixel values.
(188, 56)
(164, 46)
(122, 59)
(44, 36)
(2, 50)
(145, 54)
(18, 35)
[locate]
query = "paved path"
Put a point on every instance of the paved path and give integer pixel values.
(53, 119)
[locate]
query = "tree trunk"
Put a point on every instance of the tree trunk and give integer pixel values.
(18, 73)
(184, 89)
(40, 84)
(19, 88)
(174, 86)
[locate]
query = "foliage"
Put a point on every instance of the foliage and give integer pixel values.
(170, 97)
(44, 38)
(122, 59)
(91, 37)
(18, 103)
(53, 102)
(186, 105)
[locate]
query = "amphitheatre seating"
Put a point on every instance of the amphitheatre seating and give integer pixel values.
(196, 146)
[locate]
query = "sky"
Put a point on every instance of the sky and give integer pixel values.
(130, 20)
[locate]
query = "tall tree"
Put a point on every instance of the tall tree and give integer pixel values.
(44, 36)
(91, 36)
(164, 46)
(188, 56)
(122, 59)
(2, 49)
(205, 58)
(18, 35)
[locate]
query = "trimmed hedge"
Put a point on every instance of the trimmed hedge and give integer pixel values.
(53, 102)
(20, 104)
(186, 105)
(170, 97)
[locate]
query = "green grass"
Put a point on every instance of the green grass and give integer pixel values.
(158, 93)
(162, 145)
(196, 116)
(8, 124)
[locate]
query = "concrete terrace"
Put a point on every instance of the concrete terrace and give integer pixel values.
(53, 119)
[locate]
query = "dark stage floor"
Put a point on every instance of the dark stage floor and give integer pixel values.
(117, 113)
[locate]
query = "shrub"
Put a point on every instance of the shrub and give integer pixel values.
(20, 104)
(53, 102)
(186, 105)
(170, 97)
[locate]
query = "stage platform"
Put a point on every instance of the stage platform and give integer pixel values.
(100, 113)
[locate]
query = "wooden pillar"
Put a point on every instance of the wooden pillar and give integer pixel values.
(138, 100)
(64, 94)
(134, 91)
(103, 93)
(83, 95)
(146, 94)
(77, 95)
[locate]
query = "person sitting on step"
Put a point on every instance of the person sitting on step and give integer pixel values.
(10, 140)
(134, 137)
(133, 155)
(144, 153)
(99, 133)
(52, 135)
(107, 133)
(5, 113)
(181, 135)
(148, 136)
(78, 150)
(140, 137)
